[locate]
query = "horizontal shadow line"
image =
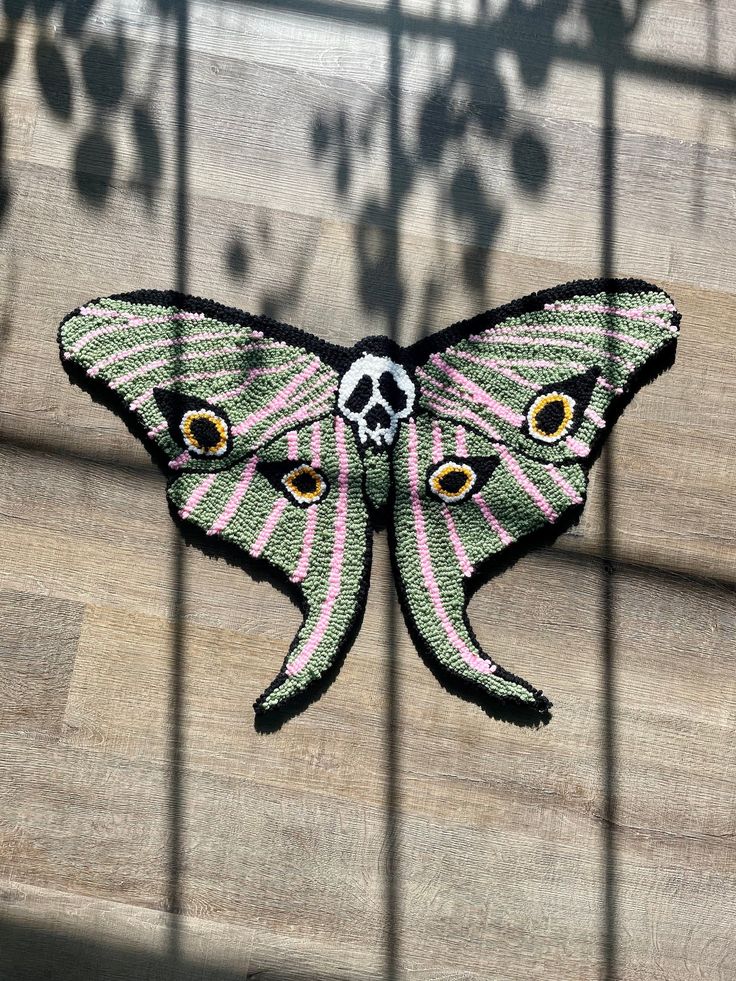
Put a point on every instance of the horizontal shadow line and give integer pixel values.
(414, 25)
(150, 472)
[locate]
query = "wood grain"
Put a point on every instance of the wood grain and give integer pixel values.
(354, 168)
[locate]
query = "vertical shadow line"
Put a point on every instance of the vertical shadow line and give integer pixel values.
(609, 950)
(177, 679)
(392, 930)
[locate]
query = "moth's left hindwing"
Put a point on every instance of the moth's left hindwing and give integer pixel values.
(510, 407)
(245, 418)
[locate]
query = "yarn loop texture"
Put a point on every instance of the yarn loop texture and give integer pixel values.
(292, 449)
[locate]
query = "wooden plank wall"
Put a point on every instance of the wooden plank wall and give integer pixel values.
(365, 167)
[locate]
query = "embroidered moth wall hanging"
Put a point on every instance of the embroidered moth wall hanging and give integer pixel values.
(290, 448)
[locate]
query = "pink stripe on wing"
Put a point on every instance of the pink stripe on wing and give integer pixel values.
(563, 484)
(309, 532)
(460, 554)
(136, 321)
(236, 497)
(637, 313)
(437, 453)
(292, 443)
(502, 411)
(492, 520)
(197, 494)
(269, 527)
(557, 329)
(102, 312)
(461, 445)
(480, 664)
(523, 481)
(179, 462)
(538, 362)
(578, 448)
(338, 554)
(595, 418)
(157, 429)
(316, 444)
(280, 402)
(576, 345)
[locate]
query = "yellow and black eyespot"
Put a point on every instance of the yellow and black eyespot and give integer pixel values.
(550, 416)
(305, 484)
(205, 432)
(452, 481)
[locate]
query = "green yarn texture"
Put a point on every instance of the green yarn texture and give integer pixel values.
(291, 449)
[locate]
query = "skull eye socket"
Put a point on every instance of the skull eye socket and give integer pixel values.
(452, 481)
(360, 395)
(550, 416)
(304, 484)
(205, 432)
(391, 392)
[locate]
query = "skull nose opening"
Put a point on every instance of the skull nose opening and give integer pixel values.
(360, 395)
(389, 389)
(377, 418)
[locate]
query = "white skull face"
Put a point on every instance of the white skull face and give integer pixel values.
(375, 393)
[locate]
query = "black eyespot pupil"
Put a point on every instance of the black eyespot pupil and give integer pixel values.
(550, 417)
(305, 482)
(453, 482)
(205, 432)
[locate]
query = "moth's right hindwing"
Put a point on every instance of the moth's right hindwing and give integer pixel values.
(440, 541)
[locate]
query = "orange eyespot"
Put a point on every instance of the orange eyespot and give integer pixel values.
(205, 433)
(550, 415)
(305, 484)
(452, 481)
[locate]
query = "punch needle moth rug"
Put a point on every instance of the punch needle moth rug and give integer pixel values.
(290, 448)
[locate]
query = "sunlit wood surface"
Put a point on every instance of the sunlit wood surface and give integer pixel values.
(353, 168)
